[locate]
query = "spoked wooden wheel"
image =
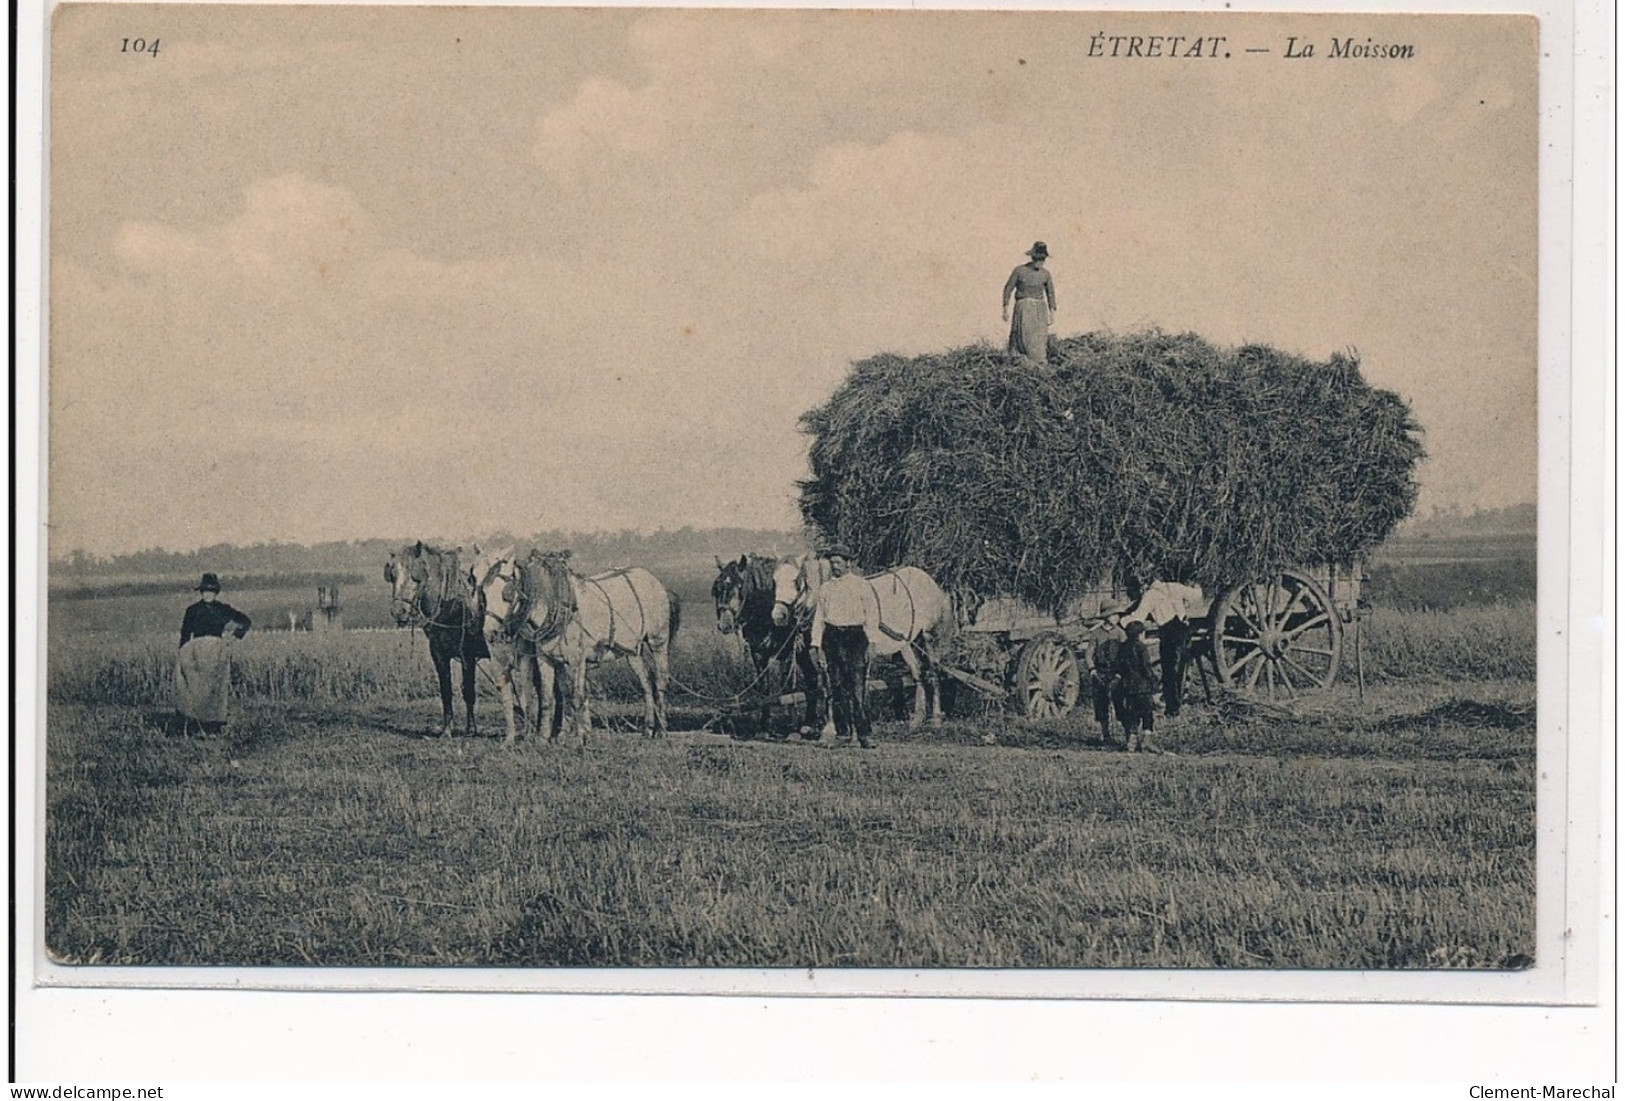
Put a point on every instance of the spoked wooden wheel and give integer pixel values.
(1278, 638)
(1047, 678)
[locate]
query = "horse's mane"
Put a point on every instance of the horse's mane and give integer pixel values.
(813, 572)
(758, 574)
(544, 574)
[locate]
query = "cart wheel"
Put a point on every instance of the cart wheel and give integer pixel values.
(1046, 678)
(1279, 638)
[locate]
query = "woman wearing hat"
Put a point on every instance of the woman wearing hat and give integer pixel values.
(203, 672)
(1035, 302)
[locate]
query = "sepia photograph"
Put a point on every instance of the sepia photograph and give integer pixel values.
(660, 493)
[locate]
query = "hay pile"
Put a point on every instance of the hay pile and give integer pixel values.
(1127, 457)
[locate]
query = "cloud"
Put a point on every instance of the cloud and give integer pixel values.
(292, 234)
(605, 120)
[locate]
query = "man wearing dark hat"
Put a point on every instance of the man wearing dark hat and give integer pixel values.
(203, 671)
(843, 615)
(1035, 303)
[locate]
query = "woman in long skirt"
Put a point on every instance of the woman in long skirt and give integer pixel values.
(1034, 290)
(203, 669)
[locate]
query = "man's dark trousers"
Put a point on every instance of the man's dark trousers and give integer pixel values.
(1175, 644)
(847, 651)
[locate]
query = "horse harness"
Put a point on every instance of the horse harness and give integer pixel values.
(471, 602)
(561, 600)
(562, 603)
(881, 625)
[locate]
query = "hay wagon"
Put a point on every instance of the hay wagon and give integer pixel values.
(1277, 637)
(1121, 455)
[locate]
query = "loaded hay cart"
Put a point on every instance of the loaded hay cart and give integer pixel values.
(1038, 494)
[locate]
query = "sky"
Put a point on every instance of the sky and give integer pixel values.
(338, 273)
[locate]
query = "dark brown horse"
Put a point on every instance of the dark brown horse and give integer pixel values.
(743, 594)
(430, 590)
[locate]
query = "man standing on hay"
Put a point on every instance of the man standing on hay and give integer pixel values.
(1035, 302)
(203, 669)
(844, 614)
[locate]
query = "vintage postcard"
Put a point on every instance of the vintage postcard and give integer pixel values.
(1004, 503)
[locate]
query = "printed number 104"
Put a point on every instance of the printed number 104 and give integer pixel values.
(139, 46)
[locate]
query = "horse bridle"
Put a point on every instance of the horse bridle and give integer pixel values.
(417, 572)
(735, 603)
(480, 584)
(798, 611)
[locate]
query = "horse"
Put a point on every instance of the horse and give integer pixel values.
(527, 686)
(916, 620)
(573, 621)
(429, 590)
(743, 595)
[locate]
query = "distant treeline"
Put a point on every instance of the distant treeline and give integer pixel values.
(342, 560)
(1448, 523)
(104, 583)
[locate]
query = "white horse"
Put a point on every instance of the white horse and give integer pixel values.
(916, 621)
(559, 622)
(526, 685)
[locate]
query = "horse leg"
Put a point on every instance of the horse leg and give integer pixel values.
(470, 663)
(573, 670)
(661, 671)
(548, 714)
(583, 704)
(912, 660)
(933, 680)
(765, 718)
(523, 671)
(442, 670)
(639, 660)
(505, 689)
(817, 708)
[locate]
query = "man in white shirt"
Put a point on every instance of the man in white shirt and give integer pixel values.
(843, 615)
(1169, 606)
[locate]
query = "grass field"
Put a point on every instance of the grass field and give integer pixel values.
(1404, 840)
(329, 828)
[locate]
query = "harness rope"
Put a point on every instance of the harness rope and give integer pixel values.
(562, 605)
(643, 617)
(767, 667)
(881, 626)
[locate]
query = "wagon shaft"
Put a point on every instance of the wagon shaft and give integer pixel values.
(986, 688)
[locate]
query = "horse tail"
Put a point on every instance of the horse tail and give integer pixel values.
(948, 624)
(675, 617)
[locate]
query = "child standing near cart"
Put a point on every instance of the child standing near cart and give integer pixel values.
(1103, 683)
(1137, 684)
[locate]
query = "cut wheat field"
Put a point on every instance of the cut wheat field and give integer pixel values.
(329, 828)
